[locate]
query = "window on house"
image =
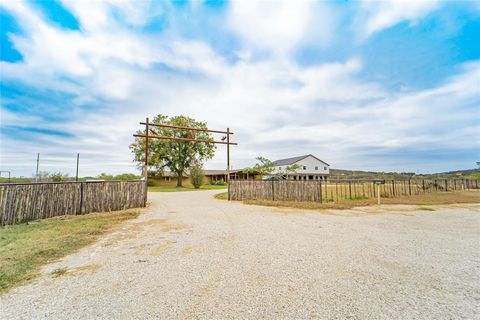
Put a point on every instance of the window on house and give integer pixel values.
(324, 168)
(316, 168)
(304, 168)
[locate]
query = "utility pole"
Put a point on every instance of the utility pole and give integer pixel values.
(38, 162)
(78, 161)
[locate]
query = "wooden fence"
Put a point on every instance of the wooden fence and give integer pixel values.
(21, 202)
(338, 190)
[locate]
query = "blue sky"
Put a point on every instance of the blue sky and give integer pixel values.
(386, 85)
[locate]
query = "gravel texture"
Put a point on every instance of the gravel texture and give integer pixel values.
(192, 256)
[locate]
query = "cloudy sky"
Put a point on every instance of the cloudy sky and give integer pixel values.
(364, 85)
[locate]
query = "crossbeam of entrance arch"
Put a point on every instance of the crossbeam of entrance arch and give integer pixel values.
(150, 134)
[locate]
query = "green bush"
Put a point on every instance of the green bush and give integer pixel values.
(196, 176)
(58, 177)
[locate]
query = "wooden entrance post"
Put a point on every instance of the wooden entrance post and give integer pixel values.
(145, 169)
(151, 135)
(228, 163)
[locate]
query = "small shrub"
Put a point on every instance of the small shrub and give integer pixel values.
(196, 176)
(58, 177)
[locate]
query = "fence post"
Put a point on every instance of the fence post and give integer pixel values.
(228, 191)
(446, 185)
(320, 189)
(336, 189)
(81, 197)
(273, 190)
(378, 193)
(409, 187)
(350, 188)
(393, 185)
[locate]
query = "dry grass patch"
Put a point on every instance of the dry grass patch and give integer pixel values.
(438, 198)
(24, 248)
(221, 196)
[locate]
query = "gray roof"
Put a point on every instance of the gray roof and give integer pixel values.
(290, 161)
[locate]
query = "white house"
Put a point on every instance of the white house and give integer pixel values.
(310, 168)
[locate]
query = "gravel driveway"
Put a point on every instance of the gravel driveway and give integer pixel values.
(192, 256)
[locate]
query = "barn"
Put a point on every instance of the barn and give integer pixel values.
(310, 168)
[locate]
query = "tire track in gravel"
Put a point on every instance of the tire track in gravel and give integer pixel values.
(204, 292)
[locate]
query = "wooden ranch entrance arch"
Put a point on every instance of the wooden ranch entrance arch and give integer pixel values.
(150, 134)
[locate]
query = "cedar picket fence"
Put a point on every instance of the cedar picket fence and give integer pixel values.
(22, 202)
(338, 190)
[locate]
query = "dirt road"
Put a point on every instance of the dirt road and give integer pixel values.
(192, 256)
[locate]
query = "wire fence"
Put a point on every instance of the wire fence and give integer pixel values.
(340, 190)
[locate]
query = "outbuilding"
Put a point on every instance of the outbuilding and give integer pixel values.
(309, 168)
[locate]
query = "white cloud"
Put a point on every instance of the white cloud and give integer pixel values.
(96, 15)
(379, 15)
(280, 26)
(276, 107)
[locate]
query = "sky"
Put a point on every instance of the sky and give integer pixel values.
(364, 85)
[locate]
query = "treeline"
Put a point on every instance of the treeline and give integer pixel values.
(354, 174)
(44, 176)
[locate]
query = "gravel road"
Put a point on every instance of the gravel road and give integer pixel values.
(192, 256)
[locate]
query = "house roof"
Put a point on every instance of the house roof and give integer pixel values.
(290, 161)
(206, 172)
(220, 172)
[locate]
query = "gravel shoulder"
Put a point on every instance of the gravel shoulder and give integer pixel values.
(192, 256)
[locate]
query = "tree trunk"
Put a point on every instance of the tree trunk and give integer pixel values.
(180, 179)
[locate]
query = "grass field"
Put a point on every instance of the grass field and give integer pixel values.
(185, 188)
(24, 248)
(423, 199)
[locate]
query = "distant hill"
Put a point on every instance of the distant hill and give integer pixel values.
(356, 174)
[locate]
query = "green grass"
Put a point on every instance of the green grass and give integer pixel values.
(24, 248)
(185, 188)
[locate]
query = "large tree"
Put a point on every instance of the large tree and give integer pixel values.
(177, 156)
